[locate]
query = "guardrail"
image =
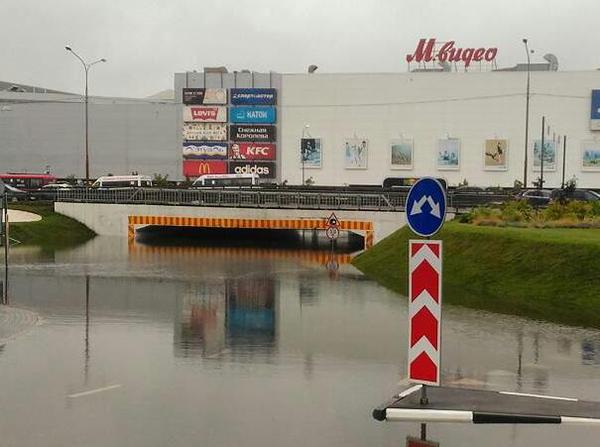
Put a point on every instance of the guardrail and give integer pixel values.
(393, 201)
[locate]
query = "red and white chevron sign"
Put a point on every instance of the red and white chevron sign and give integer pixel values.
(424, 311)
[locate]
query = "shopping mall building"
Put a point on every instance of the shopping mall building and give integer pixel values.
(358, 128)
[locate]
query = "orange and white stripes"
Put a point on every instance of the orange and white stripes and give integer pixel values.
(265, 224)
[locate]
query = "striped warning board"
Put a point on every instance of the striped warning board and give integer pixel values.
(424, 311)
(267, 224)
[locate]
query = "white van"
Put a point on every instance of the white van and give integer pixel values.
(123, 181)
(226, 180)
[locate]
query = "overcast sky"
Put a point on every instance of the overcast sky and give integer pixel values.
(146, 41)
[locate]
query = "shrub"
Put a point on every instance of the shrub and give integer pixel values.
(517, 211)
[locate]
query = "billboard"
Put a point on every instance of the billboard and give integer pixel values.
(253, 96)
(206, 114)
(257, 134)
(252, 151)
(204, 96)
(262, 168)
(549, 155)
(196, 168)
(204, 150)
(401, 151)
(204, 132)
(311, 152)
(595, 112)
(448, 157)
(252, 114)
(495, 154)
(590, 155)
(356, 153)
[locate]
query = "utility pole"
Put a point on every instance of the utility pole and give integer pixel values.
(562, 185)
(4, 236)
(542, 152)
(527, 112)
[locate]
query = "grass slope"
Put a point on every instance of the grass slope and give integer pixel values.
(53, 231)
(549, 274)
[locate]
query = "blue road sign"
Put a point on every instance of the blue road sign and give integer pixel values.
(426, 206)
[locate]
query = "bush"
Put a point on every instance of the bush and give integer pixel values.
(517, 211)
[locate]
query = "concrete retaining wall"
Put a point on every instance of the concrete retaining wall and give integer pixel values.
(111, 219)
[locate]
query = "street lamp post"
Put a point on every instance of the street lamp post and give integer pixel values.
(86, 67)
(527, 112)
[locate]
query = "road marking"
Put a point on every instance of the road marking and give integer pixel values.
(97, 390)
(539, 396)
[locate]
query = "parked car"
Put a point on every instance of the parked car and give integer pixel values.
(14, 194)
(536, 197)
(50, 191)
(585, 195)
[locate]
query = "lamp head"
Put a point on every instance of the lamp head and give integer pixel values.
(102, 60)
(68, 48)
(525, 41)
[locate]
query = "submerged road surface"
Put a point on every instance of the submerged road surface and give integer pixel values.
(216, 346)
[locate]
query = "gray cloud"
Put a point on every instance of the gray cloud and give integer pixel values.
(146, 41)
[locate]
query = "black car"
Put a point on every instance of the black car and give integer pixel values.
(536, 197)
(584, 195)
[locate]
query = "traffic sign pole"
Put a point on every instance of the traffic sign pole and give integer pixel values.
(424, 311)
(425, 216)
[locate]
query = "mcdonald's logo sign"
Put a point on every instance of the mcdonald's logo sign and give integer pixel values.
(196, 168)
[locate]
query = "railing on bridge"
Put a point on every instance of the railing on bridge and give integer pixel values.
(264, 198)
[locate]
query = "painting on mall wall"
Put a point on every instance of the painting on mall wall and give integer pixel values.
(549, 155)
(590, 156)
(495, 155)
(448, 154)
(356, 152)
(311, 152)
(402, 153)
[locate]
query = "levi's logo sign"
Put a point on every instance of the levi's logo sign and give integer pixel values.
(205, 112)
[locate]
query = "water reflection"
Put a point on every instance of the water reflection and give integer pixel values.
(189, 330)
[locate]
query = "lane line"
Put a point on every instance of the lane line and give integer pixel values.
(97, 390)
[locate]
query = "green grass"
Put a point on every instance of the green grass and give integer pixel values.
(546, 274)
(53, 231)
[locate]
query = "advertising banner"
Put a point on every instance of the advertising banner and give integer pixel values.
(206, 114)
(595, 114)
(590, 155)
(204, 132)
(196, 168)
(495, 154)
(311, 153)
(204, 150)
(402, 153)
(252, 151)
(258, 134)
(448, 157)
(253, 96)
(204, 96)
(263, 169)
(356, 153)
(549, 155)
(252, 114)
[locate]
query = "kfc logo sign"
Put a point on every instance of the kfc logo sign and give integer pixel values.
(252, 151)
(426, 52)
(205, 114)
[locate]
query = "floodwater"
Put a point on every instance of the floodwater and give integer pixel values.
(144, 345)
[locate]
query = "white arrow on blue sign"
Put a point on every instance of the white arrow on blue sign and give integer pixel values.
(426, 206)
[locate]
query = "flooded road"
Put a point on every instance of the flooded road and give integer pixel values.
(219, 346)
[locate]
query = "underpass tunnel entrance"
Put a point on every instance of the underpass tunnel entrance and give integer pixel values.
(347, 242)
(351, 235)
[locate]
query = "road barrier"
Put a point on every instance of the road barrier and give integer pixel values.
(344, 199)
